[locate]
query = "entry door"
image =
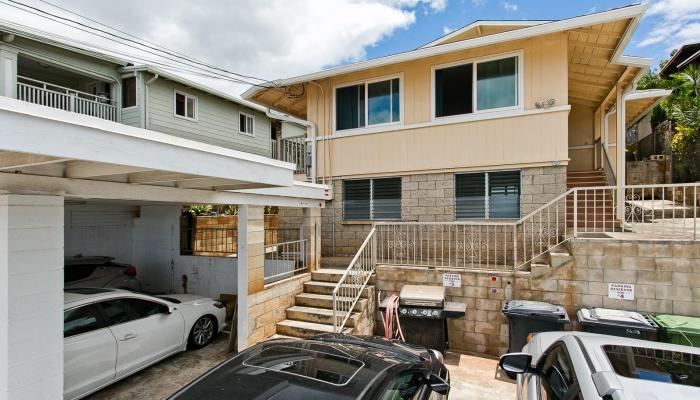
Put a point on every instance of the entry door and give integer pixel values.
(89, 352)
(145, 332)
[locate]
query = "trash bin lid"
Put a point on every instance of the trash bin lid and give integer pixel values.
(618, 317)
(678, 323)
(535, 308)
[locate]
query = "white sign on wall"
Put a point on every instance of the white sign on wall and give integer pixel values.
(621, 291)
(451, 280)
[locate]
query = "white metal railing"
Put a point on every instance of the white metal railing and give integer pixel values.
(283, 260)
(349, 289)
(608, 167)
(55, 96)
(293, 150)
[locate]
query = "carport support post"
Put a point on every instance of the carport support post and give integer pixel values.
(251, 266)
(311, 229)
(31, 297)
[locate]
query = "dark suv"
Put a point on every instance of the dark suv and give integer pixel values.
(325, 367)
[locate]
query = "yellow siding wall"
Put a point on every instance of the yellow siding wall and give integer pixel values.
(538, 138)
(581, 134)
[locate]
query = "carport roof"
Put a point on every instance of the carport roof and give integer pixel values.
(48, 142)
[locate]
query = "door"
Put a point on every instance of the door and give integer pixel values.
(89, 351)
(145, 332)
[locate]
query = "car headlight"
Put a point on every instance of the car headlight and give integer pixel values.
(219, 304)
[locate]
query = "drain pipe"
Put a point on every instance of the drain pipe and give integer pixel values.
(145, 103)
(308, 124)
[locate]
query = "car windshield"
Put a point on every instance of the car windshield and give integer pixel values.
(328, 368)
(655, 364)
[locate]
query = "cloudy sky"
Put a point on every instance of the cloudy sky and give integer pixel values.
(273, 39)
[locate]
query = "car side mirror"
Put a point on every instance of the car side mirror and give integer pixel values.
(516, 363)
(438, 385)
(170, 310)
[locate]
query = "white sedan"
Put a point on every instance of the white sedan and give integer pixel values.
(108, 334)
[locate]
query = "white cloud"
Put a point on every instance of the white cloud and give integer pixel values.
(510, 6)
(478, 2)
(269, 39)
(677, 22)
(446, 29)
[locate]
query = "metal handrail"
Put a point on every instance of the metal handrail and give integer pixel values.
(359, 271)
(610, 173)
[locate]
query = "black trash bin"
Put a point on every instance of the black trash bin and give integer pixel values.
(526, 317)
(623, 323)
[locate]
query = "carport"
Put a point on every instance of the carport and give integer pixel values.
(51, 160)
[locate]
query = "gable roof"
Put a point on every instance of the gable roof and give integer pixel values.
(479, 27)
(685, 55)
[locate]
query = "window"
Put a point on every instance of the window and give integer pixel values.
(372, 199)
(649, 364)
(124, 310)
(478, 86)
(557, 378)
(405, 387)
(246, 124)
(366, 104)
(185, 106)
(487, 195)
(129, 92)
(80, 320)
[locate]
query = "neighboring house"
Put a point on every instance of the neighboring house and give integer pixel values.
(486, 123)
(41, 70)
(688, 54)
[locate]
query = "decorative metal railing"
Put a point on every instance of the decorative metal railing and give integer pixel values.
(283, 260)
(349, 289)
(55, 96)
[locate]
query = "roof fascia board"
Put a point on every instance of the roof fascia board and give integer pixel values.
(634, 11)
(475, 24)
(687, 60)
(647, 94)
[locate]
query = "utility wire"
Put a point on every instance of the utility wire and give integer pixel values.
(198, 70)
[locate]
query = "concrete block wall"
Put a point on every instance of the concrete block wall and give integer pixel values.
(666, 276)
(268, 307)
(430, 198)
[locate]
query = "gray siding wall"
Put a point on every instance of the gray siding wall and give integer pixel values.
(133, 115)
(217, 119)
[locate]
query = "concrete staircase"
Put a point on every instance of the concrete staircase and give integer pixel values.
(595, 210)
(312, 312)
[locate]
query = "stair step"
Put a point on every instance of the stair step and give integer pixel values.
(325, 301)
(303, 329)
(335, 262)
(327, 288)
(318, 315)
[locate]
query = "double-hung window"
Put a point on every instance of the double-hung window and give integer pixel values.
(185, 106)
(487, 195)
(476, 86)
(372, 199)
(246, 124)
(368, 104)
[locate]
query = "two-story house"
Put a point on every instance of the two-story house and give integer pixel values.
(487, 123)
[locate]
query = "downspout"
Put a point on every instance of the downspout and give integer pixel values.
(308, 124)
(145, 103)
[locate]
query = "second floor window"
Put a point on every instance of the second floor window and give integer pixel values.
(368, 104)
(129, 92)
(246, 124)
(185, 106)
(372, 199)
(478, 86)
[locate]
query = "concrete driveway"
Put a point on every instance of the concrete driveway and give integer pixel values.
(472, 377)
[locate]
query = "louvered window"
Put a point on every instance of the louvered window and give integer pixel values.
(487, 195)
(372, 199)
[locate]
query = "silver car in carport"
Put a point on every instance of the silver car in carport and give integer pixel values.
(588, 366)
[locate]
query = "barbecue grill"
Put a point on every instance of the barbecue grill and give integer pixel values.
(423, 313)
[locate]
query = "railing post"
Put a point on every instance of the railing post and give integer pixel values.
(374, 250)
(575, 207)
(515, 246)
(71, 103)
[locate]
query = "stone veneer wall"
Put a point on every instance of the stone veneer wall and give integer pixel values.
(430, 198)
(268, 307)
(666, 276)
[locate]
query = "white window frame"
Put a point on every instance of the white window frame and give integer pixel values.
(136, 80)
(196, 106)
(374, 127)
(487, 205)
(478, 114)
(247, 115)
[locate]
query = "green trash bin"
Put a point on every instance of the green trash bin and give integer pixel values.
(678, 329)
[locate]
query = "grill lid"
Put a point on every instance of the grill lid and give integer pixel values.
(422, 295)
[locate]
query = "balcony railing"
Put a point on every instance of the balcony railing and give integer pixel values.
(55, 96)
(292, 149)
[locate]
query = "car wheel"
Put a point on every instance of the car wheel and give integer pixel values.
(202, 332)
